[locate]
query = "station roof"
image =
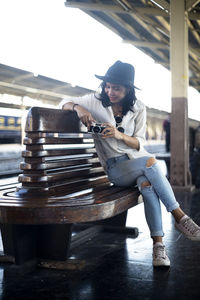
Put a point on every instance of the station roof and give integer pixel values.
(146, 25)
(22, 83)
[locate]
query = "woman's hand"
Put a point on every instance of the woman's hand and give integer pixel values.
(84, 115)
(111, 131)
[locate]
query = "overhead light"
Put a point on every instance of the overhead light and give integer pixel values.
(125, 7)
(158, 4)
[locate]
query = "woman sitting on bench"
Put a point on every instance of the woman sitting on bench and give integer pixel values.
(120, 150)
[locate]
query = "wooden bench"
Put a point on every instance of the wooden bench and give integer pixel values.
(62, 184)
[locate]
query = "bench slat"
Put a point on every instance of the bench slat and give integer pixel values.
(56, 140)
(56, 152)
(86, 172)
(59, 163)
(63, 187)
(59, 147)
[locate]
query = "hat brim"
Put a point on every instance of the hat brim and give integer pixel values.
(115, 80)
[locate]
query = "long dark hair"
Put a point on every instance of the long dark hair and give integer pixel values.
(127, 103)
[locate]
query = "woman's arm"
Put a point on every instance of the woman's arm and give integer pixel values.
(140, 127)
(112, 131)
(83, 114)
(131, 141)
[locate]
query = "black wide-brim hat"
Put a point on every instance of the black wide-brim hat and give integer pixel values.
(120, 73)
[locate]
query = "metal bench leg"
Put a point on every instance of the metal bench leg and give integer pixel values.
(54, 241)
(115, 224)
(31, 242)
(118, 224)
(119, 220)
(19, 241)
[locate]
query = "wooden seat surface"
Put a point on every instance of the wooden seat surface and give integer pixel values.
(87, 205)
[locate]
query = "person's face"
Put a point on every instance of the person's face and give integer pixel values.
(115, 92)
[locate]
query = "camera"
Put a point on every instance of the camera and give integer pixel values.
(96, 128)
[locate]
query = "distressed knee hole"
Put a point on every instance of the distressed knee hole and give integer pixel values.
(145, 183)
(150, 162)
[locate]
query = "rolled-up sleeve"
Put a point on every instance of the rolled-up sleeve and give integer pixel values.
(140, 127)
(84, 101)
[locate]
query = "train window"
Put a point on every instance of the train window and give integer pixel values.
(11, 121)
(18, 122)
(2, 121)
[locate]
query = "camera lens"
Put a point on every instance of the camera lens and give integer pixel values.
(118, 119)
(96, 129)
(121, 129)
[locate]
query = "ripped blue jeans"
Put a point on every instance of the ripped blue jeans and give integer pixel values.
(123, 171)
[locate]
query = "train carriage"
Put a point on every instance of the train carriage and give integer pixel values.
(10, 126)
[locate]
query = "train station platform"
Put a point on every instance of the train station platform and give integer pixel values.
(10, 158)
(118, 268)
(112, 266)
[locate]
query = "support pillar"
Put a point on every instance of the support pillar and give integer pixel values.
(179, 174)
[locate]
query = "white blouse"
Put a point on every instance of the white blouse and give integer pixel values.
(134, 124)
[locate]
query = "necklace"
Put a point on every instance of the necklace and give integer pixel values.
(117, 111)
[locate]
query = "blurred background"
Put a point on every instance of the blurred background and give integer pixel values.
(50, 51)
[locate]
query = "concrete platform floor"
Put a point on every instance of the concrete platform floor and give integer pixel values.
(114, 267)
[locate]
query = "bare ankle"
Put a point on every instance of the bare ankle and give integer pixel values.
(157, 239)
(178, 214)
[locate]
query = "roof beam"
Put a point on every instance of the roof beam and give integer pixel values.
(10, 105)
(147, 44)
(118, 33)
(156, 29)
(21, 77)
(193, 66)
(195, 51)
(143, 12)
(194, 61)
(165, 64)
(27, 90)
(194, 16)
(115, 9)
(114, 30)
(143, 21)
(153, 28)
(134, 32)
(66, 85)
(125, 25)
(190, 4)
